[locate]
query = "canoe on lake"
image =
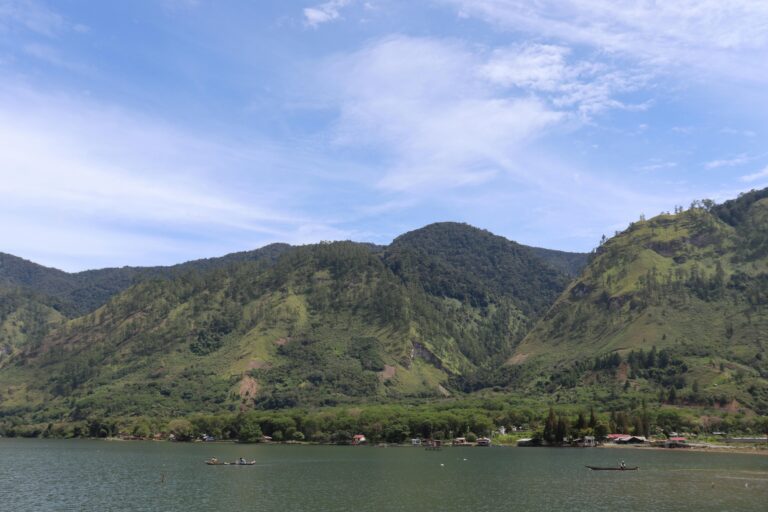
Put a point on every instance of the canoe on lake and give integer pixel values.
(236, 463)
(612, 468)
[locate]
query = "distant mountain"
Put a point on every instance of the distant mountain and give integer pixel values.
(569, 263)
(75, 294)
(674, 308)
(473, 265)
(436, 312)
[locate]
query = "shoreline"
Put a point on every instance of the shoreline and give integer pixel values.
(710, 448)
(697, 448)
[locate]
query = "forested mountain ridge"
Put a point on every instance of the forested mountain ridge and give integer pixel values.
(675, 308)
(316, 325)
(75, 294)
(473, 265)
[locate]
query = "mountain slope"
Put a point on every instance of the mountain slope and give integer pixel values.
(473, 265)
(693, 286)
(318, 325)
(75, 294)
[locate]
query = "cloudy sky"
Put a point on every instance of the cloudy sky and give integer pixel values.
(153, 132)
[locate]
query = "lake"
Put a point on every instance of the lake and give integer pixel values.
(47, 475)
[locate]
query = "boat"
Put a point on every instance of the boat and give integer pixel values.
(612, 468)
(235, 463)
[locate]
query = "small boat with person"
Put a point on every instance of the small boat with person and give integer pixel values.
(611, 468)
(620, 467)
(213, 461)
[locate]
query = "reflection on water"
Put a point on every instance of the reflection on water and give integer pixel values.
(98, 475)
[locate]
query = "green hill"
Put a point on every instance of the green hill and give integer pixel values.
(75, 294)
(23, 317)
(673, 308)
(317, 325)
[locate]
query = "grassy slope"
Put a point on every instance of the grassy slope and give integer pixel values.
(688, 283)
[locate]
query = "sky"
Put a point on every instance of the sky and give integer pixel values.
(152, 132)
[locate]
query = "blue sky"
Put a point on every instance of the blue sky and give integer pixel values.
(153, 132)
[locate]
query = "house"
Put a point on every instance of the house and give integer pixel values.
(460, 441)
(676, 442)
(585, 442)
(483, 441)
(359, 439)
(632, 440)
(626, 439)
(415, 442)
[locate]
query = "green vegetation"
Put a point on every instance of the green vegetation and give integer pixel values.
(319, 326)
(448, 330)
(397, 423)
(671, 310)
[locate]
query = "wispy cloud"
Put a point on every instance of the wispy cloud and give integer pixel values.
(759, 175)
(588, 86)
(727, 38)
(659, 166)
(742, 133)
(446, 114)
(729, 162)
(51, 55)
(92, 168)
(325, 12)
(31, 15)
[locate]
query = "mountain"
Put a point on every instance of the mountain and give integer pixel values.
(75, 294)
(569, 263)
(24, 317)
(473, 265)
(437, 311)
(672, 309)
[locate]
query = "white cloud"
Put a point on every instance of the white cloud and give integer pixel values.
(759, 175)
(115, 187)
(445, 114)
(530, 66)
(51, 55)
(30, 15)
(589, 87)
(325, 12)
(659, 166)
(729, 162)
(728, 38)
(743, 133)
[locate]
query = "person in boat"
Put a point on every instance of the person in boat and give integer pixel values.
(623, 465)
(214, 460)
(241, 461)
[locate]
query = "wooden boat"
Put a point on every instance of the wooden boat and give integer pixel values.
(612, 468)
(220, 463)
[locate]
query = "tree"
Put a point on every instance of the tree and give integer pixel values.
(581, 422)
(248, 428)
(601, 432)
(550, 426)
(561, 430)
(181, 429)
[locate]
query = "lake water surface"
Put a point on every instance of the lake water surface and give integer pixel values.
(82, 475)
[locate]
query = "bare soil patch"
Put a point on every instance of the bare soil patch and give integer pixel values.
(388, 372)
(248, 387)
(517, 359)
